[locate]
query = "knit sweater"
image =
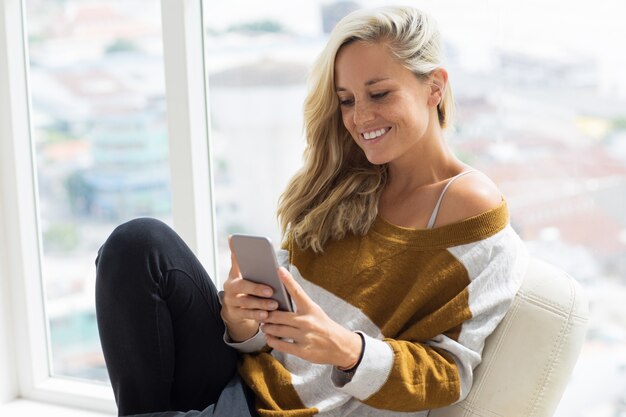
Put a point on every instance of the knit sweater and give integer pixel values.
(425, 301)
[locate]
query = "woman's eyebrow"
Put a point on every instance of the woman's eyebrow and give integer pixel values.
(367, 83)
(376, 80)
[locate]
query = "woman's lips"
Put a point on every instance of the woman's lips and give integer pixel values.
(375, 133)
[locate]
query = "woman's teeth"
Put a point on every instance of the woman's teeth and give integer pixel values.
(374, 134)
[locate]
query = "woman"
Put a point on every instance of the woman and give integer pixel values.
(399, 257)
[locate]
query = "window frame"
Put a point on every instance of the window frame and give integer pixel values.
(23, 323)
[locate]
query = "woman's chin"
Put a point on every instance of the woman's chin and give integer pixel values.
(376, 159)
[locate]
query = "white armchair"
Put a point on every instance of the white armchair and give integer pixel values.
(529, 358)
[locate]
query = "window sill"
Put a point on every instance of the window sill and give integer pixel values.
(27, 408)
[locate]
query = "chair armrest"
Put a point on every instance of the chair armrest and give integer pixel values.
(529, 358)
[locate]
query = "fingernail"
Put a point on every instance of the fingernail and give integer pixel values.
(263, 315)
(273, 304)
(267, 292)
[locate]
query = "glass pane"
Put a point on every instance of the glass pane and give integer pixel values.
(541, 111)
(101, 151)
(257, 56)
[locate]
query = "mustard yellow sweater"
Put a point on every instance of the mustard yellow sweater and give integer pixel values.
(425, 300)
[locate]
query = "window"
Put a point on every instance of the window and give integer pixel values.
(100, 150)
(87, 121)
(257, 64)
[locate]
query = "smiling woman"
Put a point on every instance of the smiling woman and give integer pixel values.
(394, 99)
(518, 86)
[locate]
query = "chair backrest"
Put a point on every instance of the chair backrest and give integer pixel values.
(529, 358)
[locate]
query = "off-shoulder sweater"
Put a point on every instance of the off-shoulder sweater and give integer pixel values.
(425, 300)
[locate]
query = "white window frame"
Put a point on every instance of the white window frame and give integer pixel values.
(24, 356)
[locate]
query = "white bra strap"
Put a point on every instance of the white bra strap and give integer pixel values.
(433, 216)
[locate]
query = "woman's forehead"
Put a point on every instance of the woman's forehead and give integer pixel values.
(365, 63)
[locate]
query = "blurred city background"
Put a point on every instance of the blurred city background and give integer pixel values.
(541, 108)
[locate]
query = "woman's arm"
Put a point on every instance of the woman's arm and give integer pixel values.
(405, 373)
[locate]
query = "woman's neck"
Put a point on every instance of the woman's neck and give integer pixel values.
(428, 164)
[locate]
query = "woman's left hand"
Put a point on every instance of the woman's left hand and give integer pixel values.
(316, 338)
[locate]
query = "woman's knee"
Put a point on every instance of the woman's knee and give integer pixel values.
(135, 237)
(127, 258)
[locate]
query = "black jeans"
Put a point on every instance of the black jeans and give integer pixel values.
(159, 320)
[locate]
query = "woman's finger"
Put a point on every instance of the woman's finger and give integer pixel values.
(277, 330)
(251, 303)
(257, 315)
(243, 286)
(284, 317)
(239, 314)
(234, 266)
(294, 289)
(284, 346)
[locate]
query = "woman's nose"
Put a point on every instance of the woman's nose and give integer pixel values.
(362, 113)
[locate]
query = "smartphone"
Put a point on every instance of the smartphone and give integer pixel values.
(257, 263)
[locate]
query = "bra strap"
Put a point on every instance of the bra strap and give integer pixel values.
(433, 216)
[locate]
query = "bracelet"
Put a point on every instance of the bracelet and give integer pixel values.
(358, 362)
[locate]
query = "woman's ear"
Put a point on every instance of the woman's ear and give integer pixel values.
(438, 83)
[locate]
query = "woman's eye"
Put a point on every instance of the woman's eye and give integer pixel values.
(346, 101)
(378, 96)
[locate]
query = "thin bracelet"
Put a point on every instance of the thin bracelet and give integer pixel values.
(358, 362)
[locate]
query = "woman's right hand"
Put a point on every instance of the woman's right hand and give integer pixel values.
(245, 303)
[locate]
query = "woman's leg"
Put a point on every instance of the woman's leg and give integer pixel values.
(159, 321)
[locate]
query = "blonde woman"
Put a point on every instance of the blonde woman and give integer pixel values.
(399, 257)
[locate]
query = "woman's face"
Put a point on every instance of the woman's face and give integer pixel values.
(384, 106)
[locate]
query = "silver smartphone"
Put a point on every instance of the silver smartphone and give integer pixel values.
(257, 263)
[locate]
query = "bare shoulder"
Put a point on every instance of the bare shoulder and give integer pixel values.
(468, 196)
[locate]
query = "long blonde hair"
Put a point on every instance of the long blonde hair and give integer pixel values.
(337, 190)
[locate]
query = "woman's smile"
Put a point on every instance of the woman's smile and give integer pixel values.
(370, 135)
